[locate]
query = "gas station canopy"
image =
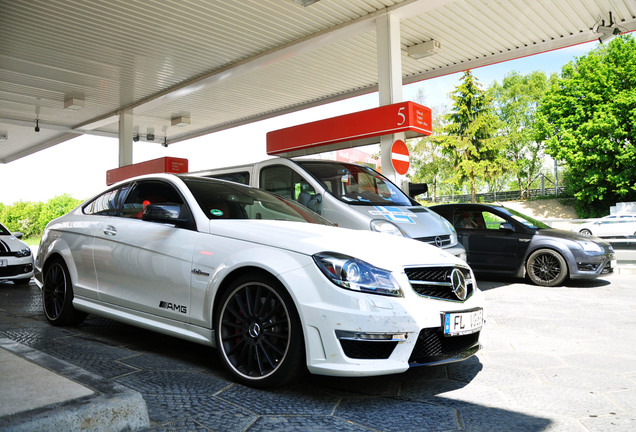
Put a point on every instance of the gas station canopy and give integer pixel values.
(181, 69)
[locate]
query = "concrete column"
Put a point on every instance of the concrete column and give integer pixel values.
(389, 81)
(125, 138)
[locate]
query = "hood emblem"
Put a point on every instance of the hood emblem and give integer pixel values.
(458, 284)
(438, 241)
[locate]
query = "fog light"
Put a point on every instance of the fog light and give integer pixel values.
(587, 266)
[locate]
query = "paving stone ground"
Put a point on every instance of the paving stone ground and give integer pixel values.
(554, 359)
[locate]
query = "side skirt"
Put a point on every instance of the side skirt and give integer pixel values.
(189, 332)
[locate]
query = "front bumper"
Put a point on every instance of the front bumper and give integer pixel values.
(17, 268)
(587, 269)
(355, 334)
(590, 267)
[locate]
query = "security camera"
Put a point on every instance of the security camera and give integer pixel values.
(150, 137)
(607, 30)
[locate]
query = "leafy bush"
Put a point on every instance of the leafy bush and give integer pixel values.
(30, 218)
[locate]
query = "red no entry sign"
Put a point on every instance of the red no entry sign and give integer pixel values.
(400, 157)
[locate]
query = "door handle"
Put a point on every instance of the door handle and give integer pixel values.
(110, 230)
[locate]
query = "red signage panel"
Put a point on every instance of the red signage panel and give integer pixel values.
(160, 165)
(355, 128)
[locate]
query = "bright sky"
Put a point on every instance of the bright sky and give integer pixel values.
(78, 167)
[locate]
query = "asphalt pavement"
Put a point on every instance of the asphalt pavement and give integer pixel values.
(554, 359)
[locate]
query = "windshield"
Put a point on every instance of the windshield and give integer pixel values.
(226, 200)
(526, 220)
(355, 184)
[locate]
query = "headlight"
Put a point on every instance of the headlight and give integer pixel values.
(387, 227)
(356, 275)
(453, 233)
(23, 253)
(589, 246)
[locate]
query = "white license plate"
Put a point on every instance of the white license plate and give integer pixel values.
(462, 323)
(3, 262)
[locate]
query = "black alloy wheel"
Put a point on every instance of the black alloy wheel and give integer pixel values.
(57, 296)
(258, 333)
(585, 232)
(546, 267)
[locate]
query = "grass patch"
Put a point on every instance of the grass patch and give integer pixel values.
(32, 241)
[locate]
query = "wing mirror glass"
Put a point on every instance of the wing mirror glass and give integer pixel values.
(163, 213)
(507, 226)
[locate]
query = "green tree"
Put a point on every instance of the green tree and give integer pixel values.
(470, 135)
(589, 119)
(516, 101)
(54, 208)
(429, 164)
(30, 218)
(22, 216)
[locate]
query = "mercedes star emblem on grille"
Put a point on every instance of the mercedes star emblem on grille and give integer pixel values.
(458, 284)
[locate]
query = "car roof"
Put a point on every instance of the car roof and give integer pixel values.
(470, 205)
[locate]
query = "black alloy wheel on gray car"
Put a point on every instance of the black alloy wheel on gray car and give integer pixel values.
(546, 267)
(258, 333)
(57, 296)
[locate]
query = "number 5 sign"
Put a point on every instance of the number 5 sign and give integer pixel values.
(351, 130)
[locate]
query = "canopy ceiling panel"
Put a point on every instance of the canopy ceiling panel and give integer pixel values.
(74, 65)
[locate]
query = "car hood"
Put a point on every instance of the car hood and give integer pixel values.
(382, 250)
(416, 221)
(568, 235)
(11, 244)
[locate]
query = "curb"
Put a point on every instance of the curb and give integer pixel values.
(109, 407)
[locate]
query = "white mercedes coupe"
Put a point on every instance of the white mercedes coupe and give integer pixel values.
(242, 270)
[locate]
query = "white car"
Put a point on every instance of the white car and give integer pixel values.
(238, 268)
(619, 225)
(16, 260)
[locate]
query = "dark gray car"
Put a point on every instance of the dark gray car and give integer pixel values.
(499, 240)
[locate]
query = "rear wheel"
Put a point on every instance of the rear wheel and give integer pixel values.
(258, 333)
(546, 267)
(57, 296)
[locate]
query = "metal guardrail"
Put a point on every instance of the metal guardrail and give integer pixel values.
(501, 196)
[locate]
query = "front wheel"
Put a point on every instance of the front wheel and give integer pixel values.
(258, 333)
(585, 232)
(546, 267)
(57, 296)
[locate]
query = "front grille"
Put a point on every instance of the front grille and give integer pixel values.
(367, 349)
(440, 241)
(435, 282)
(432, 346)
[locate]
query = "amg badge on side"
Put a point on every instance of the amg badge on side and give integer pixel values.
(175, 307)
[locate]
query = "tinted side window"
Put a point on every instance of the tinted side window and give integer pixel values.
(149, 192)
(107, 204)
(242, 177)
(474, 219)
(287, 183)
